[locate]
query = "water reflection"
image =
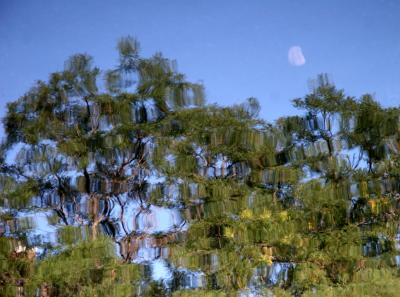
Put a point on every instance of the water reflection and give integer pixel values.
(149, 192)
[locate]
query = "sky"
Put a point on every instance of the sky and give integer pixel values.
(237, 49)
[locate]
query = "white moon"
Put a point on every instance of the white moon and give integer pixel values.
(295, 56)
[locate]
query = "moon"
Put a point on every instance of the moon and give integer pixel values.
(295, 56)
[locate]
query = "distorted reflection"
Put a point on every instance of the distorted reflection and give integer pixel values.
(137, 188)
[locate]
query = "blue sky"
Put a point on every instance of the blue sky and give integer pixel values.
(237, 49)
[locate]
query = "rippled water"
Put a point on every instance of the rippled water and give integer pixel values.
(152, 193)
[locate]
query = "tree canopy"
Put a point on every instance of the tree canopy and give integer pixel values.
(112, 178)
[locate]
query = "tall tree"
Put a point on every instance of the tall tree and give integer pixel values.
(119, 180)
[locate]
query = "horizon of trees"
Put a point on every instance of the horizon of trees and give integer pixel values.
(305, 206)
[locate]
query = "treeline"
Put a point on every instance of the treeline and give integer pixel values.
(307, 205)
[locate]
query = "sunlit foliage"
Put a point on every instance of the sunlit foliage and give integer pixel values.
(125, 182)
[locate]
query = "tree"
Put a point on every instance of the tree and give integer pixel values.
(325, 107)
(137, 172)
(374, 125)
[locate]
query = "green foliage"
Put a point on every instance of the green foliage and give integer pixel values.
(14, 267)
(279, 209)
(87, 269)
(370, 282)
